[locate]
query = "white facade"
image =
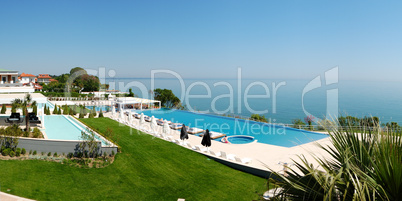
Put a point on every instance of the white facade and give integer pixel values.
(27, 80)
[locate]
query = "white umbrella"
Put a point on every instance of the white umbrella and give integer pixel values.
(121, 115)
(142, 120)
(113, 111)
(153, 124)
(129, 116)
(166, 128)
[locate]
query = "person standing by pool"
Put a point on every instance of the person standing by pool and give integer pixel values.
(225, 139)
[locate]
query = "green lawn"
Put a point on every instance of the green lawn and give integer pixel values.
(147, 169)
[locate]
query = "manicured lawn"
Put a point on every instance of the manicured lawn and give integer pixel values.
(147, 169)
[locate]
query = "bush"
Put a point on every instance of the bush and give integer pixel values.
(18, 152)
(30, 152)
(12, 153)
(3, 109)
(42, 153)
(70, 155)
(91, 115)
(37, 133)
(49, 154)
(55, 154)
(112, 152)
(82, 115)
(100, 114)
(23, 151)
(25, 134)
(6, 152)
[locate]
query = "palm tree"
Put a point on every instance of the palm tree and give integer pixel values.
(364, 166)
(24, 104)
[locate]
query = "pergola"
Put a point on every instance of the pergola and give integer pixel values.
(40, 99)
(123, 102)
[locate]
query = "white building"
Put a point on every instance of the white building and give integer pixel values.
(27, 78)
(8, 76)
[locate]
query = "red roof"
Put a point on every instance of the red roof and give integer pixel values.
(43, 76)
(53, 80)
(27, 75)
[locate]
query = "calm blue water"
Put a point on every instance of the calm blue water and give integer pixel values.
(69, 131)
(264, 133)
(356, 98)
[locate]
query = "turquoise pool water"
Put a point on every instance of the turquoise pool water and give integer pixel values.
(263, 132)
(240, 139)
(98, 108)
(58, 127)
(48, 104)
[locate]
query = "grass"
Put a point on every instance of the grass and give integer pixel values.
(147, 169)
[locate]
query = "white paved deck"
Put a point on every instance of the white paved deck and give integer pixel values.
(9, 197)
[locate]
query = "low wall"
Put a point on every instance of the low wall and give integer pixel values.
(244, 168)
(59, 146)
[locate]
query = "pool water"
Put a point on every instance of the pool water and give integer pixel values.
(48, 104)
(61, 127)
(263, 132)
(104, 108)
(240, 139)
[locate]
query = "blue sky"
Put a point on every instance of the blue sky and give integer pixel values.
(205, 39)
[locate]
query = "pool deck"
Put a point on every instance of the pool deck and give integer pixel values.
(264, 157)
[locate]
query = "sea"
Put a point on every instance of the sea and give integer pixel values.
(280, 101)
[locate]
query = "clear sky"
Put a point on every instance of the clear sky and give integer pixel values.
(205, 39)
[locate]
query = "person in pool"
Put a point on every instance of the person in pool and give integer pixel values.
(225, 139)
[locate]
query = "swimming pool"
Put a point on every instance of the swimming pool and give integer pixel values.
(48, 104)
(61, 127)
(263, 132)
(104, 108)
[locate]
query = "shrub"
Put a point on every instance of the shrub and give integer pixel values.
(13, 108)
(25, 134)
(49, 154)
(91, 115)
(42, 153)
(3, 109)
(12, 153)
(23, 151)
(6, 152)
(55, 110)
(18, 152)
(112, 152)
(30, 152)
(37, 133)
(82, 115)
(70, 155)
(100, 113)
(55, 154)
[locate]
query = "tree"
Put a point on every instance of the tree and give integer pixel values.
(297, 123)
(363, 166)
(100, 113)
(24, 104)
(167, 98)
(55, 110)
(89, 143)
(78, 69)
(3, 109)
(257, 117)
(130, 93)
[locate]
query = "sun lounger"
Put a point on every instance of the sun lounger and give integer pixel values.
(214, 154)
(147, 118)
(227, 156)
(190, 146)
(194, 130)
(200, 149)
(176, 126)
(215, 135)
(243, 160)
